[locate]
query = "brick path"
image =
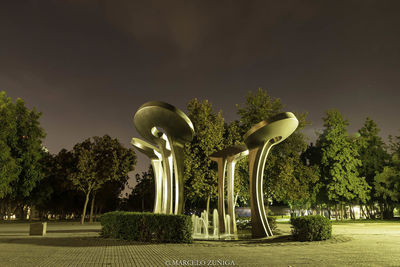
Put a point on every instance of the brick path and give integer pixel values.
(69, 244)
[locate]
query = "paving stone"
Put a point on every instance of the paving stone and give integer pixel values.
(71, 244)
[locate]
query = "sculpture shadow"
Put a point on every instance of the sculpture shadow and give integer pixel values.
(275, 240)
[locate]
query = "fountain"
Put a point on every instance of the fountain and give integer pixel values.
(168, 129)
(228, 224)
(215, 222)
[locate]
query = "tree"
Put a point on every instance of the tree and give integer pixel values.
(142, 195)
(387, 187)
(373, 156)
(55, 193)
(283, 167)
(23, 137)
(387, 182)
(340, 163)
(97, 161)
(43, 190)
(200, 171)
(9, 170)
(258, 106)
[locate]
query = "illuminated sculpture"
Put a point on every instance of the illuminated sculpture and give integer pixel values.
(226, 160)
(169, 129)
(259, 141)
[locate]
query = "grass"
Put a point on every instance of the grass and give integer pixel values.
(377, 221)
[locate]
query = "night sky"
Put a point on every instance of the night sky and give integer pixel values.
(88, 65)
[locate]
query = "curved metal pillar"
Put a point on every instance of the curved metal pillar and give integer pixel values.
(226, 160)
(165, 151)
(156, 162)
(221, 193)
(169, 128)
(259, 222)
(230, 182)
(259, 139)
(178, 158)
(157, 169)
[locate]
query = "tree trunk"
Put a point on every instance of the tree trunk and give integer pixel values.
(236, 198)
(341, 211)
(96, 211)
(100, 209)
(336, 212)
(362, 213)
(368, 212)
(352, 215)
(208, 205)
(84, 208)
(92, 207)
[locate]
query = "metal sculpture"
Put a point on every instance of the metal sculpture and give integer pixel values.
(156, 162)
(169, 129)
(259, 140)
(226, 160)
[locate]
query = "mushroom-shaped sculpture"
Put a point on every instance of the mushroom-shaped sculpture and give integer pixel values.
(226, 160)
(259, 139)
(155, 115)
(156, 162)
(169, 128)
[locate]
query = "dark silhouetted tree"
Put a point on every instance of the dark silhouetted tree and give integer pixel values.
(99, 160)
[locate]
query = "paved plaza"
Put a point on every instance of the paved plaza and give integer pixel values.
(71, 244)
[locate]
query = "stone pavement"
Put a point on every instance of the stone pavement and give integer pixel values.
(70, 244)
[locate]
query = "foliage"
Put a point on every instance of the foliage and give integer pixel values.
(283, 168)
(311, 228)
(200, 170)
(148, 227)
(339, 162)
(27, 149)
(372, 152)
(21, 150)
(97, 161)
(258, 106)
(55, 193)
(387, 182)
(9, 170)
(142, 195)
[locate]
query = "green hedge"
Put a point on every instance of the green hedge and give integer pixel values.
(311, 228)
(148, 227)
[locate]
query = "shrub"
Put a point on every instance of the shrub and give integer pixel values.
(148, 227)
(311, 228)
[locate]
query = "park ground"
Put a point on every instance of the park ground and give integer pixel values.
(72, 244)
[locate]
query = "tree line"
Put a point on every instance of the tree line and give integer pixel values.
(336, 173)
(62, 184)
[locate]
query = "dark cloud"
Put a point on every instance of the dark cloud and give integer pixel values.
(88, 65)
